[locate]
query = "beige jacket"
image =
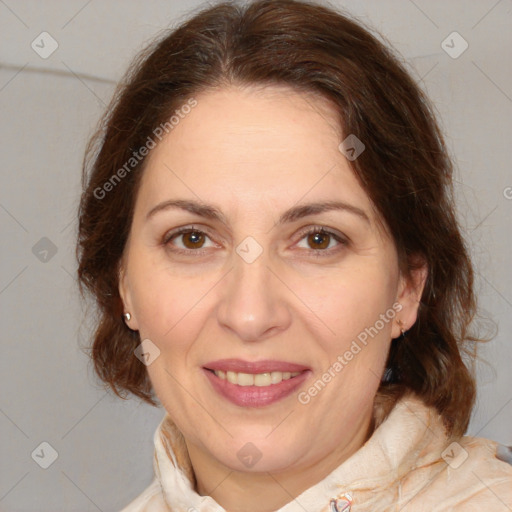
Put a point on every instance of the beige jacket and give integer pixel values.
(408, 464)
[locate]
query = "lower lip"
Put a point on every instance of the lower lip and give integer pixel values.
(255, 396)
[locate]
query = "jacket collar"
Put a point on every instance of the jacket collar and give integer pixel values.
(410, 432)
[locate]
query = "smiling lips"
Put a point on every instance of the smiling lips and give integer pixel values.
(241, 366)
(258, 379)
(254, 384)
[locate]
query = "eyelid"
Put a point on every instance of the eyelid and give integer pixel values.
(184, 229)
(340, 238)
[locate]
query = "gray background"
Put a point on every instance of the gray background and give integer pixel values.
(49, 109)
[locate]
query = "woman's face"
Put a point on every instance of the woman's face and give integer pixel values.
(301, 319)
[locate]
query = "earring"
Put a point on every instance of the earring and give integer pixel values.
(401, 324)
(127, 317)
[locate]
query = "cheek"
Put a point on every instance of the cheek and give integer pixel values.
(165, 302)
(350, 301)
(171, 313)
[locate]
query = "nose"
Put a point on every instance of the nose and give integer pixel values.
(253, 301)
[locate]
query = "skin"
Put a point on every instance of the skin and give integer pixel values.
(254, 153)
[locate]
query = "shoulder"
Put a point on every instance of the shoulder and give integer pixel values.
(444, 474)
(469, 477)
(489, 476)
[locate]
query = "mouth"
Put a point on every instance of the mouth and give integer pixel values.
(254, 384)
(258, 379)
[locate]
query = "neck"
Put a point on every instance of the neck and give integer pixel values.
(238, 491)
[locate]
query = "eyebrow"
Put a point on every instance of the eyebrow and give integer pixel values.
(293, 214)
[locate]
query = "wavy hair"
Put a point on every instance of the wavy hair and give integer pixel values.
(405, 170)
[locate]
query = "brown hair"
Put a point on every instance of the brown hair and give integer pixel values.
(405, 169)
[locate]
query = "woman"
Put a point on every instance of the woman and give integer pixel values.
(267, 226)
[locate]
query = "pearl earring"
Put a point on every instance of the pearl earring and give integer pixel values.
(127, 317)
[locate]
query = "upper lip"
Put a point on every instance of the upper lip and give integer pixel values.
(241, 366)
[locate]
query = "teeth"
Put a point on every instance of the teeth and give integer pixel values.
(258, 379)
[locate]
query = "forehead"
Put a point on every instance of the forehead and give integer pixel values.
(247, 145)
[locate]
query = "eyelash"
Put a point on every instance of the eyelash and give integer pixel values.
(317, 253)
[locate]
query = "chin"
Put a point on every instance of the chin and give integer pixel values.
(257, 454)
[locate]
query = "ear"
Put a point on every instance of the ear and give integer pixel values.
(126, 297)
(409, 294)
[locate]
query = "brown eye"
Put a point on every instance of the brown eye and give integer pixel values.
(319, 240)
(193, 239)
(189, 240)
